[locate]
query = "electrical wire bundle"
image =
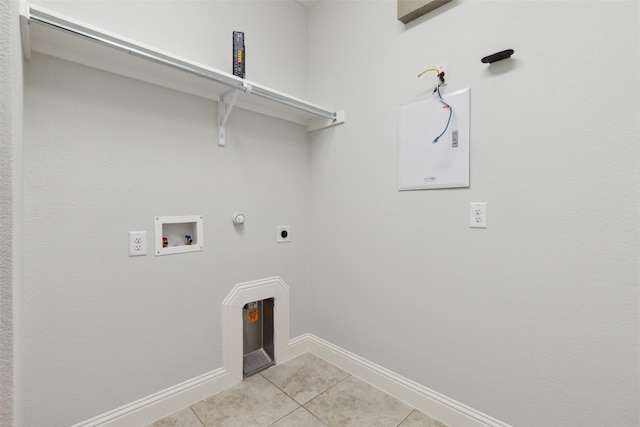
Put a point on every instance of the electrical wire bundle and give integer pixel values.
(441, 82)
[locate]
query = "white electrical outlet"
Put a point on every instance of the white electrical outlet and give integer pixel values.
(284, 234)
(137, 243)
(478, 215)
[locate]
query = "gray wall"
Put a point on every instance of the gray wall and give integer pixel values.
(104, 155)
(10, 206)
(535, 319)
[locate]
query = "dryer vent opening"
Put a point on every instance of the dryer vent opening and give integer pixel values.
(258, 348)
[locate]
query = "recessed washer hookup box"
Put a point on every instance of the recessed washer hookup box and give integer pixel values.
(239, 56)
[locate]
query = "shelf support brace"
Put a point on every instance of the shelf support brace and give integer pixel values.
(224, 110)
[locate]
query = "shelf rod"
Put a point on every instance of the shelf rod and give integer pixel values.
(331, 116)
(129, 50)
(149, 56)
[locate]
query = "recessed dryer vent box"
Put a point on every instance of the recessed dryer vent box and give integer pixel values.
(178, 234)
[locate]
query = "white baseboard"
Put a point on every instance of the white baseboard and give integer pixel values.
(166, 402)
(430, 402)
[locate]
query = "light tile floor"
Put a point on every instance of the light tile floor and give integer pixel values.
(303, 392)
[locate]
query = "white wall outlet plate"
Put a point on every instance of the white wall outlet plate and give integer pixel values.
(137, 243)
(478, 215)
(284, 234)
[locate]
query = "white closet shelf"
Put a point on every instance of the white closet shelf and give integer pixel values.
(53, 34)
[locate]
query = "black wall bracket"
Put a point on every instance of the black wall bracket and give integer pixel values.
(497, 56)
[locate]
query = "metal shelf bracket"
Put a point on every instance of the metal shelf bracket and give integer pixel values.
(224, 110)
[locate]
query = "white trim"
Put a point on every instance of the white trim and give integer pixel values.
(241, 294)
(297, 347)
(166, 402)
(172, 399)
(430, 402)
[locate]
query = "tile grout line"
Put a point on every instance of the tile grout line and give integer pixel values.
(303, 406)
(285, 416)
(276, 386)
(314, 415)
(197, 416)
(413, 409)
(285, 393)
(320, 394)
(405, 418)
(323, 392)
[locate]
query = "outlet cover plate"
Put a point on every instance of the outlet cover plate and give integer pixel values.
(284, 234)
(478, 215)
(137, 243)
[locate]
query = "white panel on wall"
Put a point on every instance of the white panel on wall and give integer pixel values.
(433, 143)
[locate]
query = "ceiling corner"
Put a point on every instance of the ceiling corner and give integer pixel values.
(307, 3)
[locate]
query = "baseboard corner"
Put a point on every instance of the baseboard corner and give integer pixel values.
(437, 405)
